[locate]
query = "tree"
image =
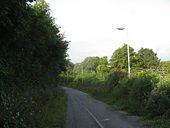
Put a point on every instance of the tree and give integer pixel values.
(102, 68)
(69, 69)
(147, 58)
(119, 58)
(32, 55)
(90, 63)
(77, 68)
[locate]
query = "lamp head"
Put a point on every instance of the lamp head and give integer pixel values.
(120, 28)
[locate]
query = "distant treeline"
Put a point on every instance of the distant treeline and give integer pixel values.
(144, 59)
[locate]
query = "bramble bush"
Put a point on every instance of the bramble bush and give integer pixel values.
(159, 102)
(28, 110)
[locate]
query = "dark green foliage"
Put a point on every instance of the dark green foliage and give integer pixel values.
(32, 55)
(147, 58)
(91, 80)
(159, 102)
(115, 77)
(134, 93)
(159, 122)
(67, 76)
(35, 52)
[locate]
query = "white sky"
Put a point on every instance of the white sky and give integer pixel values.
(91, 25)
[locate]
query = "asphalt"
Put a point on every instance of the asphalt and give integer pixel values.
(85, 112)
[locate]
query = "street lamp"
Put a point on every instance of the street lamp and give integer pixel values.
(82, 73)
(121, 28)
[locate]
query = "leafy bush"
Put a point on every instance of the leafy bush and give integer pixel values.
(29, 110)
(133, 93)
(115, 77)
(159, 102)
(15, 110)
(139, 91)
(149, 75)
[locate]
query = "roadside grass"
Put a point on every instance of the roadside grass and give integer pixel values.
(160, 122)
(54, 113)
(34, 109)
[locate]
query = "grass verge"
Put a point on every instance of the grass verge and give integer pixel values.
(52, 114)
(160, 122)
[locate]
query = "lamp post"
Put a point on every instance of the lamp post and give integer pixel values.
(121, 28)
(82, 73)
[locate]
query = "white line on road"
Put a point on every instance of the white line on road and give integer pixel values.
(101, 126)
(94, 117)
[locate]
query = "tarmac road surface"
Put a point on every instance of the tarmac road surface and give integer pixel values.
(85, 112)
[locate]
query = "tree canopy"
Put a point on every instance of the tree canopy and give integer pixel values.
(147, 58)
(31, 44)
(103, 67)
(90, 63)
(144, 59)
(119, 57)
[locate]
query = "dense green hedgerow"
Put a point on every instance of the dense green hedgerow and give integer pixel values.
(32, 55)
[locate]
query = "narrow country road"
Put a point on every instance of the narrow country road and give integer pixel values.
(85, 112)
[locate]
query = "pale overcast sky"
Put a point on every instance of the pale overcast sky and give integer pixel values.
(91, 25)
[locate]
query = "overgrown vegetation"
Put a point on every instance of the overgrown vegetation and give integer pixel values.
(146, 93)
(32, 55)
